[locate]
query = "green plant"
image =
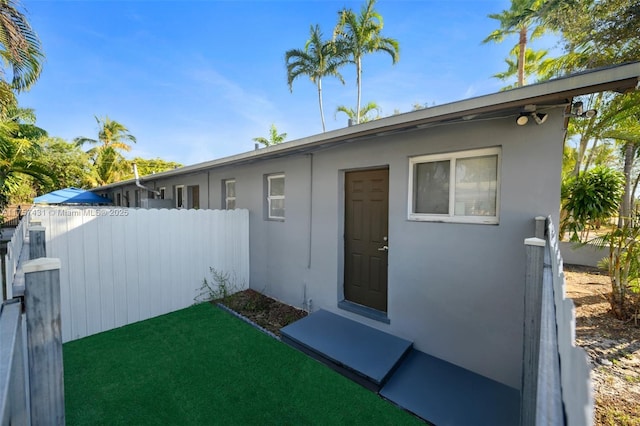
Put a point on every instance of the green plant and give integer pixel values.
(589, 199)
(221, 286)
(623, 266)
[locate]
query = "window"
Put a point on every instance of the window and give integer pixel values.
(161, 195)
(275, 196)
(118, 199)
(229, 194)
(136, 198)
(180, 197)
(455, 187)
(193, 197)
(127, 198)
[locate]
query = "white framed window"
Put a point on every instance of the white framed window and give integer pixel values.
(455, 187)
(162, 191)
(229, 194)
(180, 204)
(275, 196)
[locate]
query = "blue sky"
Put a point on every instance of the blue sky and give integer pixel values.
(197, 80)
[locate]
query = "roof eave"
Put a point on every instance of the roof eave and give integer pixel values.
(619, 78)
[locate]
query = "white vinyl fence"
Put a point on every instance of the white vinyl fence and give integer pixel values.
(120, 265)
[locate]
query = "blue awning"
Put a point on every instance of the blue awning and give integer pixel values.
(71, 196)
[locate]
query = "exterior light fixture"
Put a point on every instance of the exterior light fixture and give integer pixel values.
(522, 119)
(577, 111)
(539, 117)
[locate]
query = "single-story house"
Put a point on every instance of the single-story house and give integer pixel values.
(413, 224)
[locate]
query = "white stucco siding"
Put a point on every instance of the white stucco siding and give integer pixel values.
(454, 289)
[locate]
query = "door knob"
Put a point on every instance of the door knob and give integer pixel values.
(384, 248)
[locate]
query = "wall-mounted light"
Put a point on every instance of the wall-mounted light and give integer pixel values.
(577, 111)
(539, 117)
(522, 119)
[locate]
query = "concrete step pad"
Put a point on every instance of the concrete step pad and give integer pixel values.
(364, 354)
(445, 394)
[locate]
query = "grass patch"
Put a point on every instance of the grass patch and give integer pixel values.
(202, 366)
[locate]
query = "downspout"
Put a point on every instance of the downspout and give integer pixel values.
(307, 302)
(310, 207)
(138, 184)
(208, 189)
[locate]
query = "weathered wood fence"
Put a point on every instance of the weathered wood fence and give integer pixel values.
(120, 266)
(31, 370)
(12, 258)
(556, 385)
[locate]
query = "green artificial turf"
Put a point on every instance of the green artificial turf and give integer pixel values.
(202, 366)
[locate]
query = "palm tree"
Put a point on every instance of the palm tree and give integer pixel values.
(351, 113)
(274, 137)
(111, 134)
(21, 54)
(523, 19)
(19, 151)
(318, 59)
(109, 164)
(627, 134)
(361, 34)
(534, 62)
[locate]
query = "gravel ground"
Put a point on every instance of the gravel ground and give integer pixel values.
(612, 345)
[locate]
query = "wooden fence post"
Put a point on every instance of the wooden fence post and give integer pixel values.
(531, 332)
(37, 244)
(44, 340)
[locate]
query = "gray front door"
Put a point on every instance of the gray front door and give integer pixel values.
(366, 227)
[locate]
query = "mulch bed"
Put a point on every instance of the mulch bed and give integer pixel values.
(262, 310)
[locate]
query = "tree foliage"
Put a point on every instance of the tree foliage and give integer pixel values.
(319, 58)
(595, 33)
(151, 166)
(274, 137)
(588, 199)
(361, 34)
(109, 165)
(20, 153)
(364, 112)
(623, 266)
(523, 19)
(21, 53)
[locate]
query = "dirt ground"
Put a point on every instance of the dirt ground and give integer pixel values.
(613, 347)
(262, 310)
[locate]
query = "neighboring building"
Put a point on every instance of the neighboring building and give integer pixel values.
(413, 224)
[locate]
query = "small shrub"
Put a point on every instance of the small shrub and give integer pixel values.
(589, 199)
(220, 287)
(623, 267)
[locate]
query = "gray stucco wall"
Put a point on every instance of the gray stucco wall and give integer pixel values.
(455, 289)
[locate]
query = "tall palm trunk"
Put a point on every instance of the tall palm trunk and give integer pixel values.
(625, 207)
(359, 83)
(521, 55)
(585, 135)
(320, 103)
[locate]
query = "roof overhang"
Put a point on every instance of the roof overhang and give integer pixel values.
(552, 93)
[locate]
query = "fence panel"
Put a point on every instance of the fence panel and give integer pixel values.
(577, 390)
(119, 266)
(13, 393)
(14, 250)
